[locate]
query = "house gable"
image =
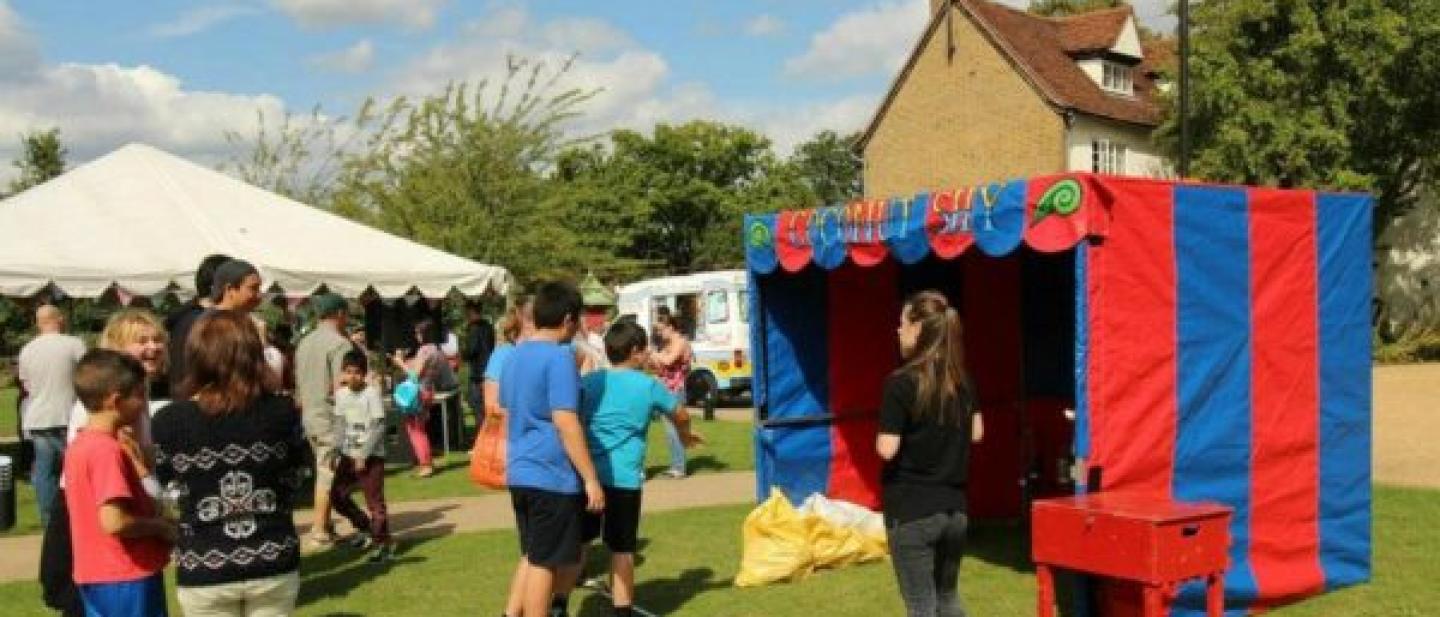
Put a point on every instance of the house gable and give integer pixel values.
(964, 108)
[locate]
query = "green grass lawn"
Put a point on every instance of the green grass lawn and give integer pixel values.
(729, 447)
(689, 559)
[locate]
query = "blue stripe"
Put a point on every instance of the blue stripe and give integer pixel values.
(1213, 431)
(1343, 242)
(1082, 357)
(796, 372)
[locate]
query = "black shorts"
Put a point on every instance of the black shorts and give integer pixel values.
(549, 525)
(620, 521)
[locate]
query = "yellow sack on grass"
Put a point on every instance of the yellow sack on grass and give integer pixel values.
(777, 544)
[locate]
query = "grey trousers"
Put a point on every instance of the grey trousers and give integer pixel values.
(926, 556)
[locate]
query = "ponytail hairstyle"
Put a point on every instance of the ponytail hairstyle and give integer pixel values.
(938, 359)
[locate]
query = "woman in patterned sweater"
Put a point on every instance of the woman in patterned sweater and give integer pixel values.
(232, 452)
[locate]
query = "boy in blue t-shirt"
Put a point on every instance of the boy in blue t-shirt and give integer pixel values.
(552, 480)
(615, 406)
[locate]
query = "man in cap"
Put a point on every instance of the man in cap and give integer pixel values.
(318, 361)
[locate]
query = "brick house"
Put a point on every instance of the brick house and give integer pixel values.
(990, 93)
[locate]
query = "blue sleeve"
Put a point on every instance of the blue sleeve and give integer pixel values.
(563, 380)
(497, 362)
(660, 396)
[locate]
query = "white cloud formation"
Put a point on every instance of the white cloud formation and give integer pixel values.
(636, 88)
(200, 19)
(356, 58)
(764, 26)
(414, 14)
(99, 107)
(868, 42)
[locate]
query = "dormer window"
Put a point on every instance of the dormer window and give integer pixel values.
(1118, 78)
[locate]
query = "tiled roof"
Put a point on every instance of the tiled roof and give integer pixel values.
(1042, 50)
(1043, 46)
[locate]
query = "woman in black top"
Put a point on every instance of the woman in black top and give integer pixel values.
(927, 421)
(231, 454)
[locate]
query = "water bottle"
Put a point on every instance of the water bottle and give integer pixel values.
(172, 498)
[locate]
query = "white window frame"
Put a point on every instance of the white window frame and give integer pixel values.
(1117, 78)
(1108, 157)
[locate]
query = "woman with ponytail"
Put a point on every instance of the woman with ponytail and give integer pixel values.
(927, 422)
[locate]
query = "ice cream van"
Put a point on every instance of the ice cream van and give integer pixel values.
(712, 308)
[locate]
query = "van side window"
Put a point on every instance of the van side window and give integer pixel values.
(717, 307)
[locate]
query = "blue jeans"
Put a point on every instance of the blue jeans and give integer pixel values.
(45, 473)
(926, 556)
(673, 443)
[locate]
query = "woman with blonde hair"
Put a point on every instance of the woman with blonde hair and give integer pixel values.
(927, 421)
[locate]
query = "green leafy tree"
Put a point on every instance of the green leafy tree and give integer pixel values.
(829, 165)
(1332, 94)
(465, 170)
(1062, 8)
(42, 157)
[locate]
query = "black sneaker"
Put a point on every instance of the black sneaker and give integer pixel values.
(384, 554)
(360, 541)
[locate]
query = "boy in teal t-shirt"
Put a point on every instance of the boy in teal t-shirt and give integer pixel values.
(615, 407)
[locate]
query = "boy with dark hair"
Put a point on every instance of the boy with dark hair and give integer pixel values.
(615, 406)
(360, 457)
(126, 542)
(552, 480)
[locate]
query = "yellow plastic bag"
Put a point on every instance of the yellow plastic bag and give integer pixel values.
(833, 546)
(777, 544)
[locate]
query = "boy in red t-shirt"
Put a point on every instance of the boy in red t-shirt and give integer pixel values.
(121, 543)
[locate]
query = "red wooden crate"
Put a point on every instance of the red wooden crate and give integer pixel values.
(1142, 539)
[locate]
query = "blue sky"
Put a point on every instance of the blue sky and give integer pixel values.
(179, 74)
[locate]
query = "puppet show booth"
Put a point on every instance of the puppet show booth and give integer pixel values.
(1190, 342)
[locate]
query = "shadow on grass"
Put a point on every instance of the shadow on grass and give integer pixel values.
(664, 596)
(695, 465)
(337, 572)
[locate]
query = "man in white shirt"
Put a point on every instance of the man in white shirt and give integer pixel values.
(47, 370)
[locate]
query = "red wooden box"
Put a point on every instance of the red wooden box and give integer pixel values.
(1138, 538)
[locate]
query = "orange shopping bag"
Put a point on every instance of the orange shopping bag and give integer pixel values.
(487, 457)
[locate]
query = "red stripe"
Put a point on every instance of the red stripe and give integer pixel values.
(1284, 488)
(1132, 372)
(994, 338)
(864, 312)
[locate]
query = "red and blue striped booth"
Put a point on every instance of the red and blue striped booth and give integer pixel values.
(1212, 341)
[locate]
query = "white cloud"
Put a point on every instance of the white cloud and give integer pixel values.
(414, 14)
(356, 58)
(636, 87)
(199, 20)
(871, 41)
(764, 26)
(99, 107)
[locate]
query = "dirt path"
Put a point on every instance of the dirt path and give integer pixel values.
(437, 517)
(1407, 425)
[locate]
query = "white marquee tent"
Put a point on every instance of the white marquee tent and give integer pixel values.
(141, 219)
